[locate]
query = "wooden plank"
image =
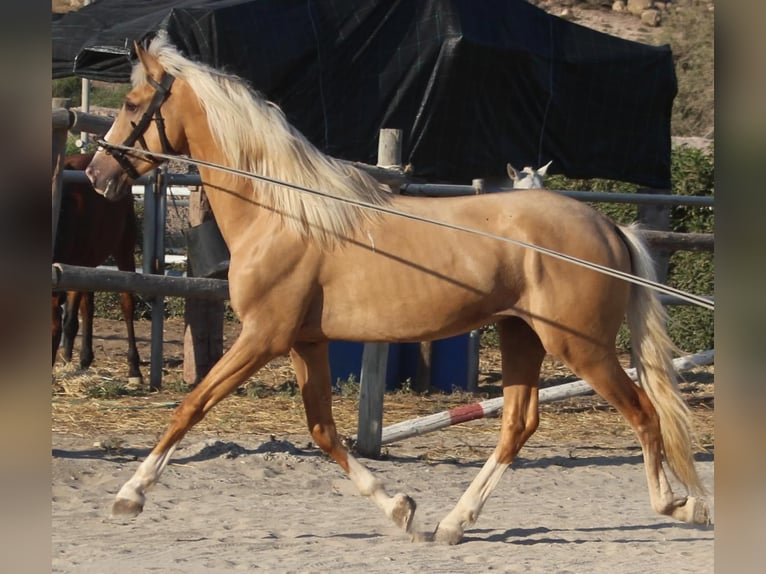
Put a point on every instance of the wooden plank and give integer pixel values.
(674, 241)
(76, 278)
(76, 121)
(90, 123)
(391, 176)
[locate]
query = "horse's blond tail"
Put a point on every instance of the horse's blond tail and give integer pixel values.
(652, 352)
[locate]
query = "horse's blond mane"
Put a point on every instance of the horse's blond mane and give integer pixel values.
(255, 136)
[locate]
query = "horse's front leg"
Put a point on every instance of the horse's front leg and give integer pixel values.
(128, 304)
(312, 370)
(252, 349)
(522, 356)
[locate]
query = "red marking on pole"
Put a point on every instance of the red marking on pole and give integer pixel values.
(466, 413)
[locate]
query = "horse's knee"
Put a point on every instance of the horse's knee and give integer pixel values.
(188, 413)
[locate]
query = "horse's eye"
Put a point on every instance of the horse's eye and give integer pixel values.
(130, 107)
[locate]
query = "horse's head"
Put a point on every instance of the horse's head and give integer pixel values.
(149, 120)
(528, 178)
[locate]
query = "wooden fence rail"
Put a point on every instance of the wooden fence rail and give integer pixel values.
(76, 278)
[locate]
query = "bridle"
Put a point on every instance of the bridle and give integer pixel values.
(153, 112)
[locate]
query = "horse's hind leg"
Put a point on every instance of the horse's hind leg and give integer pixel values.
(56, 330)
(610, 381)
(125, 259)
(522, 357)
(312, 370)
(128, 303)
(71, 323)
(86, 316)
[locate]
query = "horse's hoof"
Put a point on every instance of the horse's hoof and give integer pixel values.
(447, 536)
(690, 510)
(403, 511)
(136, 381)
(126, 508)
(699, 511)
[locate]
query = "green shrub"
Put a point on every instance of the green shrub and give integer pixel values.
(103, 94)
(67, 88)
(691, 327)
(108, 95)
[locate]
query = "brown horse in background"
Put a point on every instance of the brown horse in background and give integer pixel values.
(90, 230)
(309, 264)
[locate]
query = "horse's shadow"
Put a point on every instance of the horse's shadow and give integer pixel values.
(212, 450)
(225, 449)
(543, 535)
(574, 460)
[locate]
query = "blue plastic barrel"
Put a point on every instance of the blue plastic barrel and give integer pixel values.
(450, 362)
(346, 362)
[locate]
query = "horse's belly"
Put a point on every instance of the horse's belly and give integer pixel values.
(410, 303)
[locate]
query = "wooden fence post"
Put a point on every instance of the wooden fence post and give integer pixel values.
(59, 106)
(657, 217)
(203, 318)
(375, 355)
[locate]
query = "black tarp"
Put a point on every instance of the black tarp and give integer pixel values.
(472, 83)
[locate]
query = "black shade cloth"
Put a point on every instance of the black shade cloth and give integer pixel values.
(473, 84)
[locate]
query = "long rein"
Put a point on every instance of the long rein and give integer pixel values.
(688, 297)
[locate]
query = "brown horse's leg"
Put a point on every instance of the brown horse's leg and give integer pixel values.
(71, 323)
(128, 304)
(312, 369)
(125, 258)
(56, 332)
(610, 381)
(522, 357)
(86, 316)
(253, 348)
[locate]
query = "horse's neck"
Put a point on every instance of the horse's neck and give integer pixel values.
(232, 199)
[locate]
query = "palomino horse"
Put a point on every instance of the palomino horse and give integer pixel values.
(90, 229)
(529, 177)
(307, 268)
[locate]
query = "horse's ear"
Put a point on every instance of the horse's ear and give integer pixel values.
(512, 173)
(149, 62)
(543, 169)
